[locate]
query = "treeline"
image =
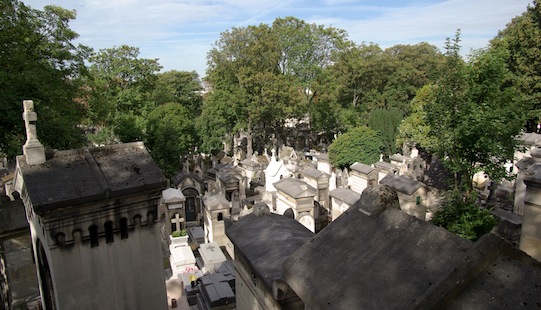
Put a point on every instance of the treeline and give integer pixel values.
(260, 80)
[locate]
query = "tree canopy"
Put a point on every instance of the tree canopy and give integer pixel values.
(360, 144)
(170, 135)
(475, 115)
(39, 61)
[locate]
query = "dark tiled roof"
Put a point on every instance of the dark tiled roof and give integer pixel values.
(179, 178)
(90, 174)
(266, 241)
(366, 262)
(391, 260)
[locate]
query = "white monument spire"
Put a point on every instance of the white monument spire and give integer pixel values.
(33, 150)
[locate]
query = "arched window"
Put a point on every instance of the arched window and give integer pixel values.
(220, 216)
(123, 228)
(109, 232)
(93, 230)
(289, 213)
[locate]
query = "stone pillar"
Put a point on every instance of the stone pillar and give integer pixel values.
(33, 150)
(530, 238)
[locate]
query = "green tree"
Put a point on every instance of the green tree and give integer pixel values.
(476, 115)
(121, 86)
(181, 87)
(463, 217)
(170, 134)
(360, 144)
(386, 122)
(215, 124)
(39, 61)
(244, 62)
(414, 129)
(522, 38)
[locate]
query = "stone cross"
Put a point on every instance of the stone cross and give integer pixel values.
(33, 150)
(30, 117)
(177, 220)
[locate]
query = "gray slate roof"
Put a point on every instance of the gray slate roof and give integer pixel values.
(90, 174)
(295, 188)
(346, 195)
(315, 174)
(392, 260)
(266, 241)
(362, 262)
(398, 157)
(529, 138)
(385, 165)
(215, 202)
(362, 168)
(401, 184)
(179, 178)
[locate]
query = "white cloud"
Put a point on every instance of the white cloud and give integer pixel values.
(180, 32)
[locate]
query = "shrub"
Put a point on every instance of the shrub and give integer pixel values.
(463, 217)
(181, 233)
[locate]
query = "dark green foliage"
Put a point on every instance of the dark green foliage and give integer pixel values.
(386, 122)
(360, 144)
(171, 134)
(38, 61)
(180, 87)
(522, 38)
(463, 217)
(120, 95)
(475, 114)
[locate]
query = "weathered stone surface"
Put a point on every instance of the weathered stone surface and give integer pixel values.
(90, 174)
(364, 262)
(378, 198)
(266, 241)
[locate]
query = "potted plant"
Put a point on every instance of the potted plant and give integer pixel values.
(179, 237)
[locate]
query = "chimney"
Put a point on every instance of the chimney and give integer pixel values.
(33, 150)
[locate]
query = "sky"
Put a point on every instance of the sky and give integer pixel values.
(181, 32)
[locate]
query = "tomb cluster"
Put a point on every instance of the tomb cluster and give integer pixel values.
(102, 228)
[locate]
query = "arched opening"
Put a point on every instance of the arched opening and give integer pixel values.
(93, 231)
(47, 288)
(192, 203)
(123, 228)
(220, 216)
(289, 213)
(109, 238)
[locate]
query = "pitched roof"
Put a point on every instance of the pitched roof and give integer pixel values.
(90, 174)
(391, 260)
(362, 168)
(179, 178)
(215, 202)
(295, 188)
(385, 165)
(172, 195)
(401, 184)
(386, 259)
(266, 241)
(314, 173)
(346, 195)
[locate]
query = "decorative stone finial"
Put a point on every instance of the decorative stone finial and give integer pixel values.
(33, 150)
